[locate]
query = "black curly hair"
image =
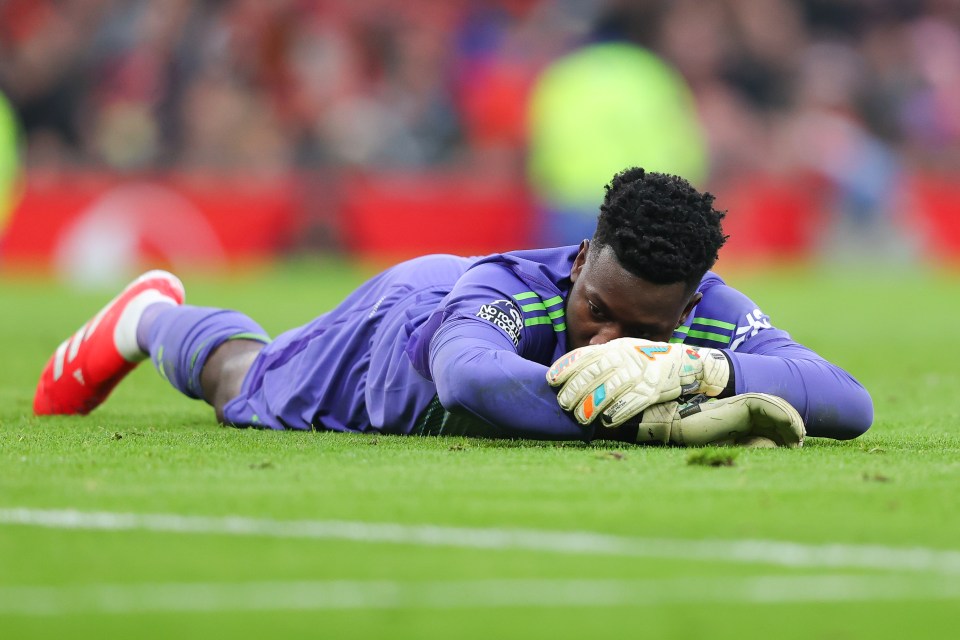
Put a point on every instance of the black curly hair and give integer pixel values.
(660, 228)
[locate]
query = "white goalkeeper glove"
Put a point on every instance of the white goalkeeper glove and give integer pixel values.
(621, 378)
(749, 419)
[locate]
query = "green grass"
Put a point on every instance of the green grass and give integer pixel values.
(150, 451)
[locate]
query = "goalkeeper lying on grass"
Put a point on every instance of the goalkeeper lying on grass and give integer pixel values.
(626, 337)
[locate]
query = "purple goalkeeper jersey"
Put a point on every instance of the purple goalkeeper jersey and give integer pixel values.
(476, 335)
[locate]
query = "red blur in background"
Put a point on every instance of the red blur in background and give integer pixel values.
(221, 220)
(218, 133)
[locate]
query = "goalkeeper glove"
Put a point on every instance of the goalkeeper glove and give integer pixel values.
(621, 378)
(749, 419)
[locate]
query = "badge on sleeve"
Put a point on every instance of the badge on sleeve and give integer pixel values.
(756, 321)
(505, 315)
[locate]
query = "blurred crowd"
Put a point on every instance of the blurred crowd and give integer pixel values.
(852, 89)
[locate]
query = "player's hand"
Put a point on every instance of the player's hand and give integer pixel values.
(749, 420)
(621, 378)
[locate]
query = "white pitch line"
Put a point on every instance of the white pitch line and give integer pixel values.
(466, 594)
(792, 554)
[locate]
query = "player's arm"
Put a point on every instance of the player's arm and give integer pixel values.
(486, 353)
(765, 359)
(833, 403)
(478, 372)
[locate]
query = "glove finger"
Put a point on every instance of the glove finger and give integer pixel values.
(570, 363)
(597, 367)
(635, 401)
(625, 407)
(583, 384)
(690, 369)
(603, 395)
(594, 402)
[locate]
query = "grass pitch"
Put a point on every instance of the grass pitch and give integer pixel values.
(147, 520)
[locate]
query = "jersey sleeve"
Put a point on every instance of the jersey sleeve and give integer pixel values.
(489, 351)
(766, 359)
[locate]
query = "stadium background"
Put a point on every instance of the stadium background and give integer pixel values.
(279, 150)
(213, 133)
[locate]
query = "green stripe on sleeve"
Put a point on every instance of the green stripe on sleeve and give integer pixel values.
(536, 320)
(682, 329)
(709, 322)
(552, 317)
(707, 335)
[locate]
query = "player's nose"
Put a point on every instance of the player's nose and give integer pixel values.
(607, 333)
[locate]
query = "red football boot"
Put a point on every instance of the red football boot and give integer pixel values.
(88, 365)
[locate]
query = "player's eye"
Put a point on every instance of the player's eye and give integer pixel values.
(596, 312)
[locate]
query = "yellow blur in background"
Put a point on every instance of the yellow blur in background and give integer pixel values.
(9, 162)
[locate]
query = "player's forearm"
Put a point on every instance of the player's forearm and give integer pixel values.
(503, 389)
(833, 404)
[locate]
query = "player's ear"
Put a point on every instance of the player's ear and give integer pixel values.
(580, 260)
(694, 301)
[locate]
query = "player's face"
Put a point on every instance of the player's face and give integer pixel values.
(608, 302)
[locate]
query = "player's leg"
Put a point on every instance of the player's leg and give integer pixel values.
(203, 352)
(222, 376)
(148, 318)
